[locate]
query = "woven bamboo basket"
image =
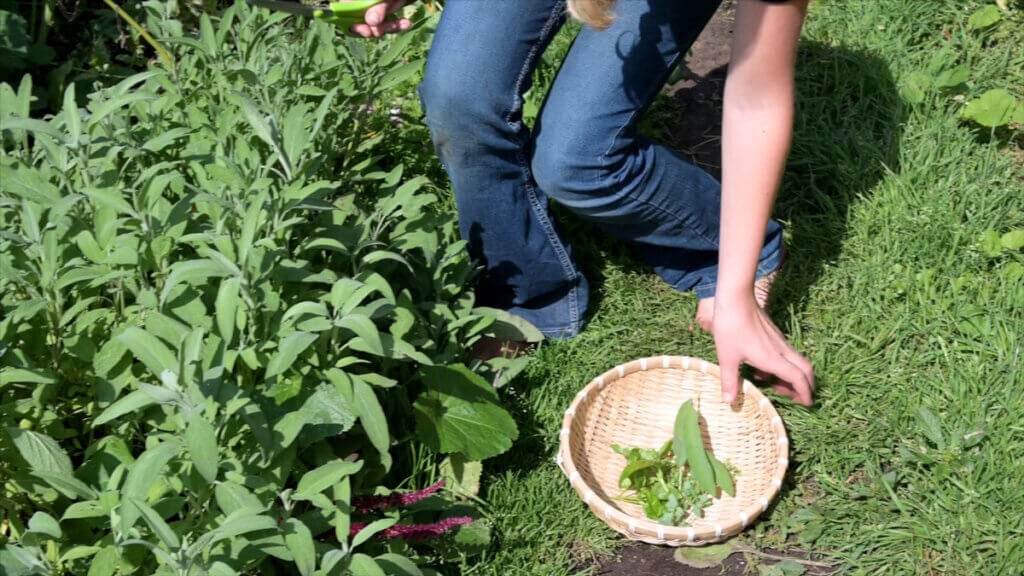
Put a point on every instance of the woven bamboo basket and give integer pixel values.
(635, 404)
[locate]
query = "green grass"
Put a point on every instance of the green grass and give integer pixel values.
(888, 292)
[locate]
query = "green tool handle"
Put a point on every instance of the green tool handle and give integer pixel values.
(346, 14)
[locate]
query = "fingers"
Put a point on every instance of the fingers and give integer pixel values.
(730, 370)
(793, 369)
(385, 27)
(797, 380)
(377, 22)
(766, 350)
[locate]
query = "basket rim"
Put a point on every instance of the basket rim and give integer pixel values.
(640, 527)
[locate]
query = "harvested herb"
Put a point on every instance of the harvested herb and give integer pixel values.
(679, 478)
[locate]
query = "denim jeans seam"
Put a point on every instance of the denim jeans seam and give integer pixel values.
(539, 210)
(705, 285)
(618, 134)
(688, 220)
(524, 72)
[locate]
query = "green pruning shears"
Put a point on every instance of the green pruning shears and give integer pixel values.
(344, 14)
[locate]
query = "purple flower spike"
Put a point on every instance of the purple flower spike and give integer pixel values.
(395, 499)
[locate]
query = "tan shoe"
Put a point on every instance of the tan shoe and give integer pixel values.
(763, 289)
(763, 286)
(488, 347)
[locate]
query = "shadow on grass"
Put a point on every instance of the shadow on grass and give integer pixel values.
(849, 121)
(847, 133)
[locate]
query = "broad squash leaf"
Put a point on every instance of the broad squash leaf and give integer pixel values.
(460, 413)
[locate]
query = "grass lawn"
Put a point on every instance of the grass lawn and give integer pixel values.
(910, 462)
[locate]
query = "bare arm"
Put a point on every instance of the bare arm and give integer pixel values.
(756, 132)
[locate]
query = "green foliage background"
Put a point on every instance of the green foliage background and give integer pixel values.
(228, 311)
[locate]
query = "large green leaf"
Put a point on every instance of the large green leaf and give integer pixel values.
(234, 498)
(299, 541)
(295, 133)
(156, 523)
(201, 442)
(256, 119)
(992, 109)
(242, 522)
(460, 412)
(463, 476)
(41, 452)
(17, 561)
(226, 307)
(984, 17)
(701, 557)
(398, 565)
(510, 327)
(143, 473)
(288, 427)
(78, 552)
(149, 350)
(117, 103)
(1013, 240)
(363, 565)
(722, 476)
(372, 529)
(43, 523)
(87, 509)
(105, 562)
(129, 403)
(371, 415)
(23, 375)
(365, 331)
(197, 271)
(112, 198)
(474, 538)
(148, 467)
(319, 479)
(66, 484)
(288, 352)
(679, 431)
(72, 117)
(327, 412)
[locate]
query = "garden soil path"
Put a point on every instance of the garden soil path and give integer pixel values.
(695, 131)
(696, 126)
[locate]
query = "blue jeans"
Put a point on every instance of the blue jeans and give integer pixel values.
(583, 153)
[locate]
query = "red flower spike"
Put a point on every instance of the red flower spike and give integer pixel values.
(395, 499)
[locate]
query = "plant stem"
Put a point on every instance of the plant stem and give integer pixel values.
(168, 61)
(750, 550)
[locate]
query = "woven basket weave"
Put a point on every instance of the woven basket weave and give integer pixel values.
(635, 404)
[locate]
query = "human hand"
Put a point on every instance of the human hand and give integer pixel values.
(745, 334)
(376, 22)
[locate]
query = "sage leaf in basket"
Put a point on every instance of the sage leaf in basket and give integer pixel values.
(679, 478)
(680, 430)
(688, 427)
(722, 476)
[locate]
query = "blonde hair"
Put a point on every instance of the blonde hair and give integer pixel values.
(595, 13)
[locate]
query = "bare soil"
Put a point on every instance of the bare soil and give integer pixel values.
(646, 560)
(698, 94)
